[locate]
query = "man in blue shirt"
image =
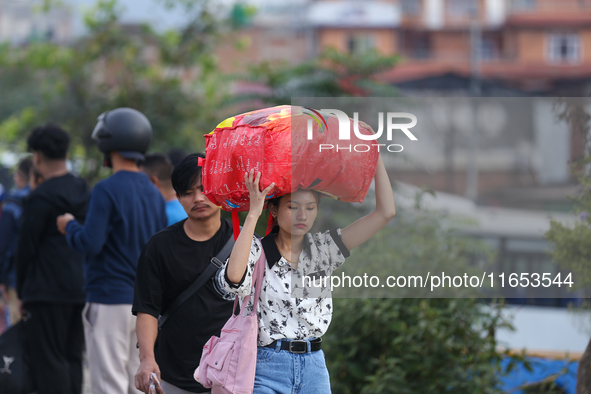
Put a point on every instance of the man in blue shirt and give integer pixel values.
(9, 226)
(124, 211)
(158, 168)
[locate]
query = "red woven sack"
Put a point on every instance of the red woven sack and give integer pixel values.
(275, 141)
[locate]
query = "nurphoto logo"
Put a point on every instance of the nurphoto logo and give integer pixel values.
(345, 130)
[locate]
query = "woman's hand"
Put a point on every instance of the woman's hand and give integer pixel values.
(257, 197)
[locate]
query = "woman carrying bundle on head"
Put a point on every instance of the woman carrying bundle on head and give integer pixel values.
(289, 355)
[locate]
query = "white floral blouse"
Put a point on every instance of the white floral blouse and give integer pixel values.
(290, 305)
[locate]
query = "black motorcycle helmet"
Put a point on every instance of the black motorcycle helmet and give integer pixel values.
(124, 130)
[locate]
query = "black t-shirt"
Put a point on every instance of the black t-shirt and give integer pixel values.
(47, 269)
(169, 263)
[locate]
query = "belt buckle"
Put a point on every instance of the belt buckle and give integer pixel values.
(305, 343)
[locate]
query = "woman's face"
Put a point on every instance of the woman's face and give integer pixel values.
(20, 180)
(296, 212)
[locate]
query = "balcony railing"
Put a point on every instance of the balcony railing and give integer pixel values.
(547, 6)
(428, 56)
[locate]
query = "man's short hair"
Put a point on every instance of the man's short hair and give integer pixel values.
(158, 165)
(176, 154)
(24, 168)
(51, 140)
(186, 173)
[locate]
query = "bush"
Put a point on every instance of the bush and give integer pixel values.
(413, 346)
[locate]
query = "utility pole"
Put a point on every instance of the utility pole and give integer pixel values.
(475, 92)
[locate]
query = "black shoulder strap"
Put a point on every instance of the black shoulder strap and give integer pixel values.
(216, 263)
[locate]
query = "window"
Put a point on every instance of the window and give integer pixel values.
(359, 43)
(461, 8)
(527, 255)
(50, 34)
(522, 5)
(410, 7)
(564, 48)
(416, 45)
(489, 49)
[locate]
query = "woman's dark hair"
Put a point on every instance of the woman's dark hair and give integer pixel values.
(186, 173)
(275, 203)
(51, 140)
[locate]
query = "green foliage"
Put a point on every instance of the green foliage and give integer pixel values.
(403, 343)
(573, 250)
(241, 15)
(171, 76)
(413, 346)
(572, 244)
(13, 127)
(332, 74)
(116, 66)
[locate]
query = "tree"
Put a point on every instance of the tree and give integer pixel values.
(172, 77)
(572, 245)
(413, 345)
(331, 74)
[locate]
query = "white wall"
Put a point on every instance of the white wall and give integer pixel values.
(553, 144)
(546, 329)
(434, 14)
(495, 12)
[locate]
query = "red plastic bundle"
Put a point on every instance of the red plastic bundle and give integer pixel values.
(276, 141)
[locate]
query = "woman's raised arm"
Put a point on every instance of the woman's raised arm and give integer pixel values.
(364, 228)
(240, 252)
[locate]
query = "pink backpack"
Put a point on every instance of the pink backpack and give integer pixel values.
(228, 363)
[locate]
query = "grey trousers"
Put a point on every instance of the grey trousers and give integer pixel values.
(171, 389)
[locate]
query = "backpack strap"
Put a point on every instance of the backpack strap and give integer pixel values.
(215, 264)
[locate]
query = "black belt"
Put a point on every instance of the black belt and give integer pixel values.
(297, 346)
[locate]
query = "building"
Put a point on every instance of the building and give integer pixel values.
(354, 26)
(24, 21)
(516, 47)
(276, 34)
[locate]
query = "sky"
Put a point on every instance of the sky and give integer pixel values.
(134, 11)
(153, 12)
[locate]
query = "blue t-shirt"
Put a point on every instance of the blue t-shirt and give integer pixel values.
(175, 212)
(124, 211)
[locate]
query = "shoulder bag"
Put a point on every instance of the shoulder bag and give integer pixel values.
(228, 362)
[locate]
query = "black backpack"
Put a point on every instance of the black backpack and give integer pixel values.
(15, 377)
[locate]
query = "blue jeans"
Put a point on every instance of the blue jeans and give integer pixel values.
(283, 372)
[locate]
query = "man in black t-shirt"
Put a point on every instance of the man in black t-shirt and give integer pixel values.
(169, 263)
(49, 275)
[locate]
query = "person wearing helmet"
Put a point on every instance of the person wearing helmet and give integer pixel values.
(124, 211)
